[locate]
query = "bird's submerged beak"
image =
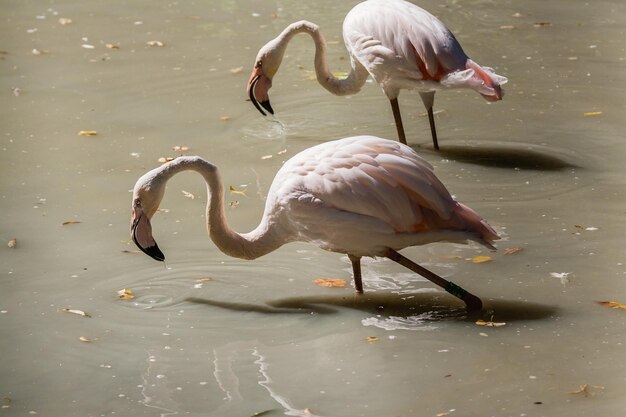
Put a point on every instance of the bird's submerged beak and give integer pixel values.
(141, 233)
(258, 86)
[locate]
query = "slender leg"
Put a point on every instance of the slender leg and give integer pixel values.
(429, 99)
(471, 301)
(356, 268)
(398, 118)
(433, 131)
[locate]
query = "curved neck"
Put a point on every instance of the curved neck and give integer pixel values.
(346, 86)
(261, 241)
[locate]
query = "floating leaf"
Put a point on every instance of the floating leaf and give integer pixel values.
(112, 45)
(203, 279)
(372, 339)
(71, 222)
(64, 20)
(155, 43)
(481, 259)
(267, 156)
(236, 70)
(188, 194)
(165, 159)
(74, 311)
(235, 191)
(12, 243)
(612, 304)
(512, 251)
(125, 294)
(331, 282)
(585, 390)
(490, 323)
(224, 118)
(87, 133)
(233, 204)
(284, 151)
(85, 339)
(592, 113)
(180, 148)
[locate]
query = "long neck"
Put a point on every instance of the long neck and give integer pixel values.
(346, 86)
(262, 240)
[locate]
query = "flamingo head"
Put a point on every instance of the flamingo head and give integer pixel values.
(147, 197)
(266, 65)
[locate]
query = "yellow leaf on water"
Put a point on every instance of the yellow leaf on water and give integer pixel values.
(592, 113)
(125, 294)
(165, 159)
(372, 339)
(612, 304)
(87, 133)
(340, 74)
(85, 339)
(331, 282)
(12, 243)
(65, 20)
(235, 191)
(155, 43)
(188, 194)
(480, 259)
(224, 118)
(512, 251)
(74, 311)
(490, 323)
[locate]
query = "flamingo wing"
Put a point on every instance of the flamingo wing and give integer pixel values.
(367, 176)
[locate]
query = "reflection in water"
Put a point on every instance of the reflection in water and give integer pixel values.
(154, 389)
(266, 383)
(229, 382)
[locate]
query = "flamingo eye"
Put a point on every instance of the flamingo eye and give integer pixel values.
(258, 64)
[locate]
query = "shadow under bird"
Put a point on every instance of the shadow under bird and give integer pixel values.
(399, 44)
(360, 196)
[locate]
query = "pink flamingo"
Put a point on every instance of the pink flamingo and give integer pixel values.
(361, 196)
(399, 44)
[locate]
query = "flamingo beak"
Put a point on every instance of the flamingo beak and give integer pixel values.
(258, 86)
(141, 233)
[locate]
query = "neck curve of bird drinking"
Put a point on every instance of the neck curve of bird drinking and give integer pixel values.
(350, 85)
(260, 241)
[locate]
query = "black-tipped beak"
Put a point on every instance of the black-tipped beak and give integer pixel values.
(254, 100)
(152, 251)
(267, 106)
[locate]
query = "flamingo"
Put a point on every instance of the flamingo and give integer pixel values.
(399, 44)
(360, 196)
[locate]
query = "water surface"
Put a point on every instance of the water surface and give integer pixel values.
(208, 335)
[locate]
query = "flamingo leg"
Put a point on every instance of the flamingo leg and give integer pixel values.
(433, 131)
(356, 269)
(429, 98)
(398, 118)
(471, 301)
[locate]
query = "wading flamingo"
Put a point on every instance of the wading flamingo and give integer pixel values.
(399, 44)
(362, 196)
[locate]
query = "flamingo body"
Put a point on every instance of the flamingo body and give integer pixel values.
(362, 196)
(399, 44)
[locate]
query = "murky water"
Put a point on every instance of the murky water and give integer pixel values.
(208, 335)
